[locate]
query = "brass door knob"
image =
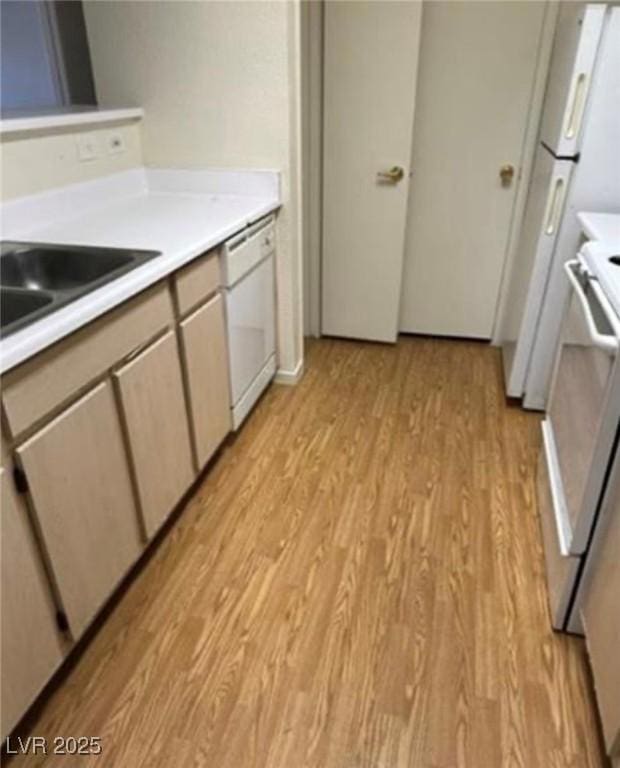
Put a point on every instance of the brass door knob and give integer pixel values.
(506, 174)
(393, 176)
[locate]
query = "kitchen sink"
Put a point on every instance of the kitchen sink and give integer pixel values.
(60, 270)
(16, 304)
(38, 278)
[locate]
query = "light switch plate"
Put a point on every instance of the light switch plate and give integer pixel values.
(87, 147)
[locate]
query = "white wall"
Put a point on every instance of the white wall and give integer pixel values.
(35, 162)
(219, 82)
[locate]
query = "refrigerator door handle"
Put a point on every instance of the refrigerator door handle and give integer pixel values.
(577, 106)
(608, 343)
(554, 206)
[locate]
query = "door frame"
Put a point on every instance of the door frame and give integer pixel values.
(526, 161)
(312, 25)
(312, 56)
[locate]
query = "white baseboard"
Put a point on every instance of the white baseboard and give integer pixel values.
(290, 378)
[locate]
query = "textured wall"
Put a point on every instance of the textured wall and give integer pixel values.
(36, 162)
(218, 82)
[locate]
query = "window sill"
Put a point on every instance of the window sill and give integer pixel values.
(77, 116)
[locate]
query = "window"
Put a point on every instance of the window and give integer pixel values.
(45, 61)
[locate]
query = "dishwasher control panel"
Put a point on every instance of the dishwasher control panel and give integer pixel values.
(244, 251)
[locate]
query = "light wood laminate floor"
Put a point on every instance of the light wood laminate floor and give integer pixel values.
(357, 583)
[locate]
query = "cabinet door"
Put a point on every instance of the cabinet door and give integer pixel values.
(80, 486)
(31, 645)
(153, 403)
(206, 360)
(601, 612)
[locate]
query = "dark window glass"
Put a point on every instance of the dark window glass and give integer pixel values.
(45, 61)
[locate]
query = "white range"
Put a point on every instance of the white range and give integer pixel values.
(603, 261)
(582, 426)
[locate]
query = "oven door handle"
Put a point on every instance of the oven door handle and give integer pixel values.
(606, 342)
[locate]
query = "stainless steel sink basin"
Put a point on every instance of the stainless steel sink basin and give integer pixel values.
(38, 278)
(16, 304)
(57, 270)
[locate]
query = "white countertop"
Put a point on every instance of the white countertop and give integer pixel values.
(603, 229)
(597, 256)
(600, 226)
(180, 213)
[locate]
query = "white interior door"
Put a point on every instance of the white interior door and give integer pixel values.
(370, 69)
(477, 68)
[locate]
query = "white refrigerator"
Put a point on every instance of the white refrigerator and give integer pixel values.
(577, 168)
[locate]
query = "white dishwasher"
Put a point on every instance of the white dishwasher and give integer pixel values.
(247, 261)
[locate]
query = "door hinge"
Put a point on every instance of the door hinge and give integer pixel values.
(62, 621)
(20, 480)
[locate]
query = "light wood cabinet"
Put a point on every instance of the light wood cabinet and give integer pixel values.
(110, 427)
(55, 375)
(601, 614)
(155, 415)
(32, 647)
(205, 352)
(80, 487)
(197, 281)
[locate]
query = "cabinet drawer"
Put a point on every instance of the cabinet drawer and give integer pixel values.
(197, 281)
(203, 337)
(153, 404)
(41, 384)
(81, 492)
